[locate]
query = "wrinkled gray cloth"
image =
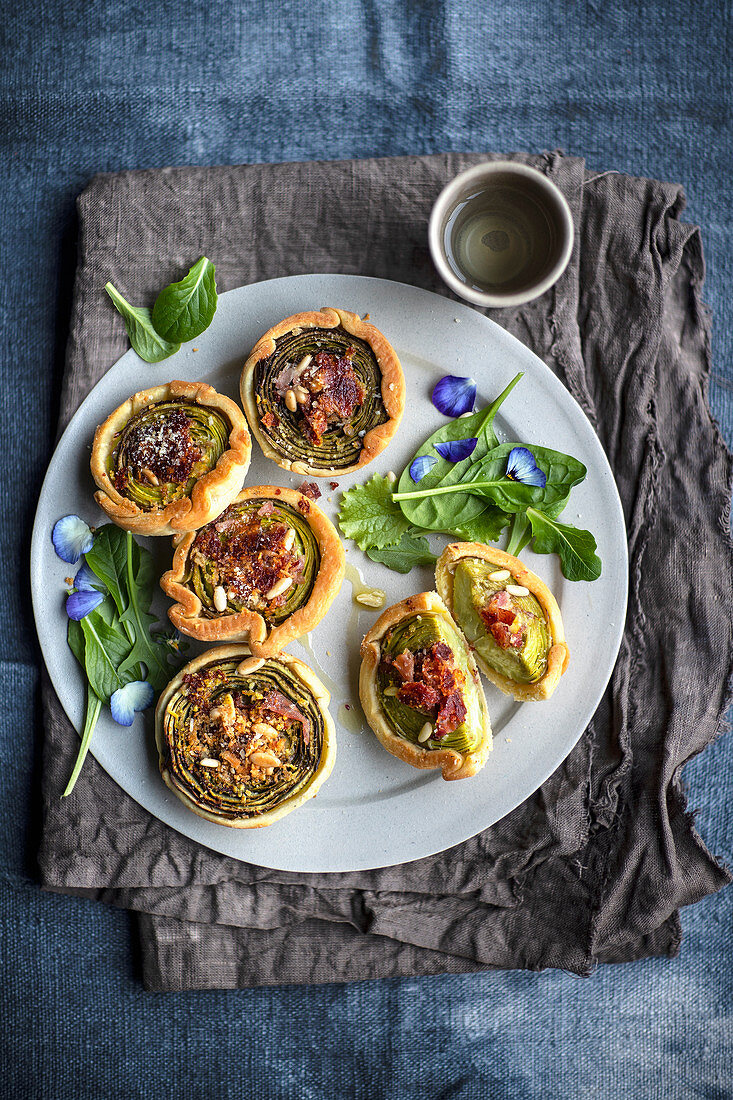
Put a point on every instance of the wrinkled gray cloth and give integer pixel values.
(596, 864)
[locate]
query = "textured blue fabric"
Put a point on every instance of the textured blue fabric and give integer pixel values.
(643, 86)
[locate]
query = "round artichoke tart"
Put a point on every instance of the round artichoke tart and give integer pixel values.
(509, 616)
(421, 691)
(323, 392)
(265, 571)
(243, 740)
(170, 458)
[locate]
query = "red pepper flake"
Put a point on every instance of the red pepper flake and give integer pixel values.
(278, 492)
(269, 420)
(309, 489)
(347, 706)
(303, 505)
(333, 484)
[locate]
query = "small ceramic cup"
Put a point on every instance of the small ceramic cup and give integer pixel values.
(500, 234)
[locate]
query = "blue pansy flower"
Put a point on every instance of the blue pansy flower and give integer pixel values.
(71, 537)
(521, 466)
(421, 466)
(137, 695)
(456, 450)
(454, 396)
(79, 604)
(86, 580)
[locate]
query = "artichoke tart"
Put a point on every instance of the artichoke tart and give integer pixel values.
(323, 392)
(265, 571)
(509, 617)
(421, 691)
(170, 458)
(244, 740)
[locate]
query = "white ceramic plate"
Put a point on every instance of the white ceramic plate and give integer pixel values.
(374, 810)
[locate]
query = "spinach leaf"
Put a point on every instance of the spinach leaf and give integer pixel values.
(575, 547)
(369, 516)
(108, 560)
(458, 511)
(105, 650)
(148, 343)
(486, 527)
(410, 550)
(487, 478)
(183, 310)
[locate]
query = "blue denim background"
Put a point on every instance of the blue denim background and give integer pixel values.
(643, 86)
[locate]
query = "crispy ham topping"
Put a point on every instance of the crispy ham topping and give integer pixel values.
(431, 683)
(504, 621)
(249, 557)
(329, 393)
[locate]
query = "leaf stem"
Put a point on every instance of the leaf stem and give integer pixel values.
(519, 534)
(94, 705)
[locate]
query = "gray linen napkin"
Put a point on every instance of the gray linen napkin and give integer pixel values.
(595, 865)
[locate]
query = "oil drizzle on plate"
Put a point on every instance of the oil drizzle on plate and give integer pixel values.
(350, 717)
(335, 689)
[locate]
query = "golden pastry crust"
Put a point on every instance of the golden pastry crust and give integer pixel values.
(310, 683)
(265, 640)
(454, 765)
(392, 387)
(212, 492)
(559, 654)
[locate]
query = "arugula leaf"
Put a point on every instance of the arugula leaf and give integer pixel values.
(369, 516)
(410, 550)
(155, 657)
(487, 479)
(148, 343)
(575, 547)
(459, 511)
(183, 310)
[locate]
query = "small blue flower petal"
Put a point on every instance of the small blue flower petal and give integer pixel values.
(79, 604)
(521, 466)
(421, 466)
(135, 696)
(86, 580)
(454, 395)
(457, 450)
(71, 537)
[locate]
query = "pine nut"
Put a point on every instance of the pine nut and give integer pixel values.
(208, 763)
(500, 575)
(289, 539)
(304, 362)
(220, 598)
(391, 476)
(425, 733)
(264, 760)
(279, 587)
(250, 665)
(375, 597)
(301, 394)
(517, 590)
(290, 401)
(263, 729)
(391, 691)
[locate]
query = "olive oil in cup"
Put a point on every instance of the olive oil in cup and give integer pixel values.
(500, 234)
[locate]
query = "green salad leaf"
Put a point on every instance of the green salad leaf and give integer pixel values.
(370, 517)
(183, 310)
(145, 340)
(409, 551)
(575, 547)
(460, 510)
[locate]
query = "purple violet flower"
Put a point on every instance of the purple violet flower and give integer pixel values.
(137, 695)
(421, 466)
(457, 450)
(79, 604)
(71, 537)
(86, 580)
(454, 396)
(521, 466)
